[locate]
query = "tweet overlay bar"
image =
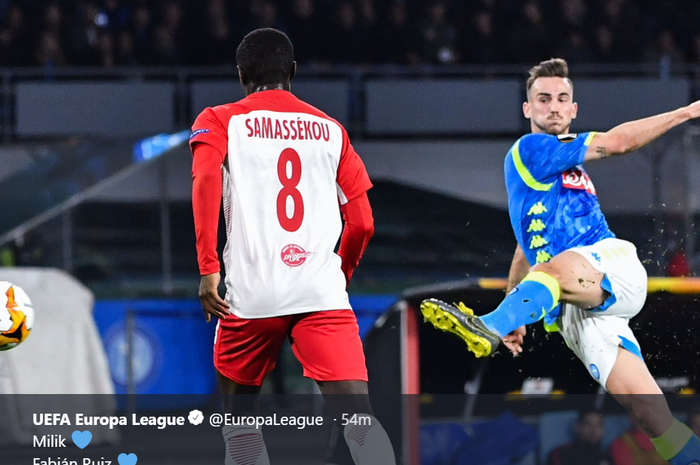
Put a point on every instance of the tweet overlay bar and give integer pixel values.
(306, 429)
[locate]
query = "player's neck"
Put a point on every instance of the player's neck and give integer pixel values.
(539, 131)
(265, 87)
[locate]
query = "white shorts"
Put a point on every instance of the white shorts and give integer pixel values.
(595, 335)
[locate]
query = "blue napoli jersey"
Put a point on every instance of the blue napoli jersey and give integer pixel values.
(552, 202)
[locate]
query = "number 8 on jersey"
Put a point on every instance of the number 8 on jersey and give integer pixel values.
(289, 158)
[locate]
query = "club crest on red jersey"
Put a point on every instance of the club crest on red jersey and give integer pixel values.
(294, 255)
(576, 178)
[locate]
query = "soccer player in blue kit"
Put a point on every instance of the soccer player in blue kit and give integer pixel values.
(569, 268)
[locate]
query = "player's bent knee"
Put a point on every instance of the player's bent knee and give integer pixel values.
(580, 286)
(551, 269)
(557, 271)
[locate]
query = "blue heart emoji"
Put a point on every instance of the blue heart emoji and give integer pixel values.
(81, 438)
(129, 459)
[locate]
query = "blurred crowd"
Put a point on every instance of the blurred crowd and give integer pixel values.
(632, 447)
(109, 33)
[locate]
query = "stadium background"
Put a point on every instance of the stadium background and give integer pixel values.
(96, 99)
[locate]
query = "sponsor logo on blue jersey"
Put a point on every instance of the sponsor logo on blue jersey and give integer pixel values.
(577, 178)
(198, 132)
(594, 371)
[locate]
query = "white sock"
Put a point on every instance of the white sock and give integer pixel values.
(368, 442)
(244, 446)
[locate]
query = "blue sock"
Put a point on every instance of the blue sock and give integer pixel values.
(527, 303)
(689, 454)
(678, 445)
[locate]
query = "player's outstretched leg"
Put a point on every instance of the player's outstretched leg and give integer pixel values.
(634, 387)
(536, 295)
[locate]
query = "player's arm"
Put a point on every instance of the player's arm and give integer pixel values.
(206, 203)
(209, 146)
(519, 268)
(358, 230)
(353, 184)
(635, 134)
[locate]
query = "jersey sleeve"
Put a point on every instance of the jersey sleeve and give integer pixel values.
(209, 129)
(545, 156)
(352, 177)
(206, 203)
(359, 228)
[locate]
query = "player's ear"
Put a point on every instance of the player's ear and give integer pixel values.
(293, 71)
(242, 76)
(526, 109)
(575, 112)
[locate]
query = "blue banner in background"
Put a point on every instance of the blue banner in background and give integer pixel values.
(172, 344)
(370, 307)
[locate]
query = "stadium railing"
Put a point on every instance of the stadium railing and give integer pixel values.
(182, 81)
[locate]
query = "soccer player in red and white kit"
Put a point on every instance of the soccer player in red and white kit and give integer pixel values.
(283, 168)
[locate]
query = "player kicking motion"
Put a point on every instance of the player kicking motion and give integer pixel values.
(285, 167)
(569, 268)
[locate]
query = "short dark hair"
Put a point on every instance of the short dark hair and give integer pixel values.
(554, 67)
(584, 412)
(266, 56)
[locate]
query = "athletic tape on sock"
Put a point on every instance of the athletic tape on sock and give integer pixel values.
(548, 281)
(669, 444)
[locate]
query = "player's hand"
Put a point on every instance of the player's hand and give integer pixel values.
(212, 304)
(514, 340)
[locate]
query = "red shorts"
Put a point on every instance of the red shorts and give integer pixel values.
(327, 344)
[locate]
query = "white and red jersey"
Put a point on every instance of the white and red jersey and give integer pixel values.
(286, 166)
